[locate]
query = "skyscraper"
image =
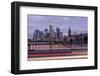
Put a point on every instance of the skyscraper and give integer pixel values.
(52, 32)
(69, 32)
(57, 33)
(37, 35)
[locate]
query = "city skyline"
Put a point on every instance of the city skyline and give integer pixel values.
(76, 23)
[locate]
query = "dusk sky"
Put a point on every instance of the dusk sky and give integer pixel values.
(76, 23)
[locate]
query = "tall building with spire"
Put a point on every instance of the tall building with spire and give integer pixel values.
(69, 32)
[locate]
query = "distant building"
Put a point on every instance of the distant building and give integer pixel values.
(41, 35)
(69, 32)
(57, 33)
(76, 38)
(46, 32)
(38, 35)
(52, 33)
(35, 35)
(61, 36)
